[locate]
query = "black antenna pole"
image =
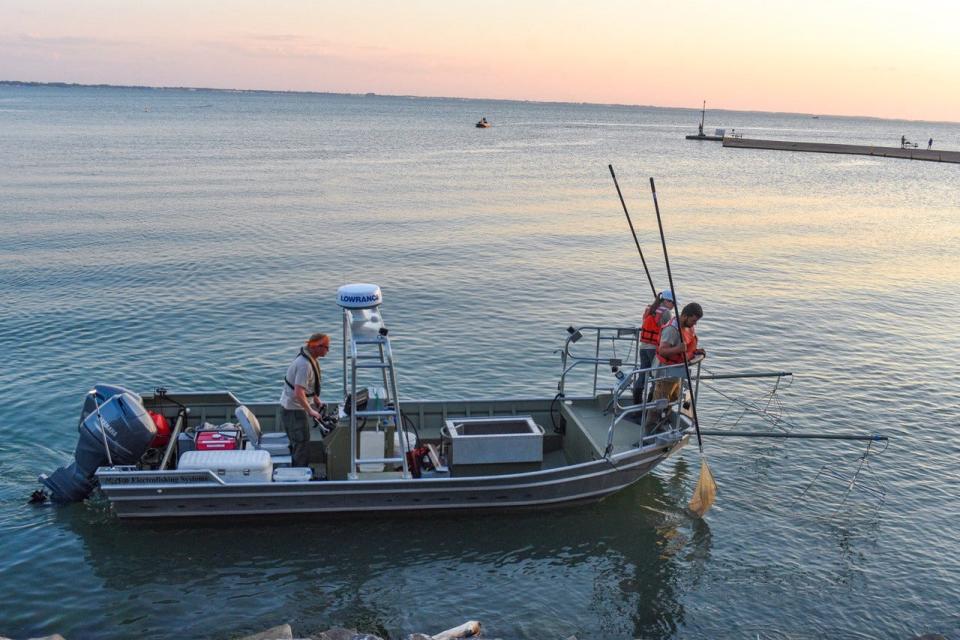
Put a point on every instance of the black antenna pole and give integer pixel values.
(635, 241)
(676, 304)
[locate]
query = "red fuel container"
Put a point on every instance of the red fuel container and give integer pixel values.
(225, 440)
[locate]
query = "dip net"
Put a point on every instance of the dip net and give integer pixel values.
(705, 492)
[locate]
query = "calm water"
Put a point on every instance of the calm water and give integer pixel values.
(192, 239)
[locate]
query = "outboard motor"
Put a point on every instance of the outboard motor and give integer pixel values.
(99, 395)
(118, 434)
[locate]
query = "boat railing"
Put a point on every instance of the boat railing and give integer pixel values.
(603, 342)
(641, 411)
(618, 349)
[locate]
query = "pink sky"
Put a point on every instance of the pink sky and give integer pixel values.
(878, 58)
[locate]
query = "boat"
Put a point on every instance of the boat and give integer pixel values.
(376, 453)
(483, 124)
(700, 135)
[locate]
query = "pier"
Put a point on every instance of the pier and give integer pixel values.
(702, 136)
(930, 155)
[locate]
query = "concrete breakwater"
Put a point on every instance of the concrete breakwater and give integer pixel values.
(930, 155)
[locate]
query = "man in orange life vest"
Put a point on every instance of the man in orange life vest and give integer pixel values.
(676, 339)
(655, 317)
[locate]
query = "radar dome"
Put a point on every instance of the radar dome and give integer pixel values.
(359, 296)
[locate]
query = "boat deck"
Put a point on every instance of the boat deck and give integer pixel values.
(555, 459)
(594, 424)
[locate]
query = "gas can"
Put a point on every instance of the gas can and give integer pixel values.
(220, 440)
(163, 429)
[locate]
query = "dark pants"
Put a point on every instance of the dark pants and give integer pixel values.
(298, 431)
(646, 361)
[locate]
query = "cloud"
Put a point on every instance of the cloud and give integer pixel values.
(279, 47)
(30, 41)
(292, 45)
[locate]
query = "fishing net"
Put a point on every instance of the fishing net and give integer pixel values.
(705, 492)
(761, 402)
(829, 493)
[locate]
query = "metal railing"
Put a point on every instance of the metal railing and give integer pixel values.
(625, 371)
(601, 335)
(649, 402)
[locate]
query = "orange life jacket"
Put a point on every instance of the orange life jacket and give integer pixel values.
(650, 330)
(689, 337)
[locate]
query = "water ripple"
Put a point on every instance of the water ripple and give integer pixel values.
(195, 246)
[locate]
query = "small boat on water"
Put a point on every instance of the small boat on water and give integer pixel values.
(225, 457)
(483, 124)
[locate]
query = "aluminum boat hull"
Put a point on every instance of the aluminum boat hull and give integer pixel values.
(134, 496)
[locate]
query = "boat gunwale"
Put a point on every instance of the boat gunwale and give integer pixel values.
(152, 397)
(538, 478)
(590, 496)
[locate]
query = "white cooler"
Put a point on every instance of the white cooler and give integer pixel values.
(233, 467)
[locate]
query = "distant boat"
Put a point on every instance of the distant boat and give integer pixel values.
(483, 124)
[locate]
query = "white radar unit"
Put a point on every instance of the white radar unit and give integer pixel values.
(359, 296)
(361, 304)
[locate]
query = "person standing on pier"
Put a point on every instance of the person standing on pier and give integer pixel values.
(300, 398)
(903, 142)
(929, 144)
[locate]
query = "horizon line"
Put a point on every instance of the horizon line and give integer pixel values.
(35, 83)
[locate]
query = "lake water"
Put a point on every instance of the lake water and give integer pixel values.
(193, 239)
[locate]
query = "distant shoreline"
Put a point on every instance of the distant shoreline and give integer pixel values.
(78, 85)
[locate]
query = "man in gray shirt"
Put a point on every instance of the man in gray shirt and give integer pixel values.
(300, 399)
(678, 343)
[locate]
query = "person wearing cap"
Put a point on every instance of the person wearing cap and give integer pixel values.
(678, 342)
(300, 399)
(655, 317)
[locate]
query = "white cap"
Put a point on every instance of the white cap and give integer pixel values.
(667, 295)
(359, 296)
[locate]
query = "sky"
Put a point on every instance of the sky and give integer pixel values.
(892, 59)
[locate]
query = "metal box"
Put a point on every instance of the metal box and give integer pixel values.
(494, 445)
(233, 467)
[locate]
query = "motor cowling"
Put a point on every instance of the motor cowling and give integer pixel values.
(121, 424)
(99, 395)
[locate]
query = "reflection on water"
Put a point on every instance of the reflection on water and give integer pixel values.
(195, 245)
(626, 562)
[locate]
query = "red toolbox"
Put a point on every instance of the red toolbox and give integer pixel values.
(219, 440)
